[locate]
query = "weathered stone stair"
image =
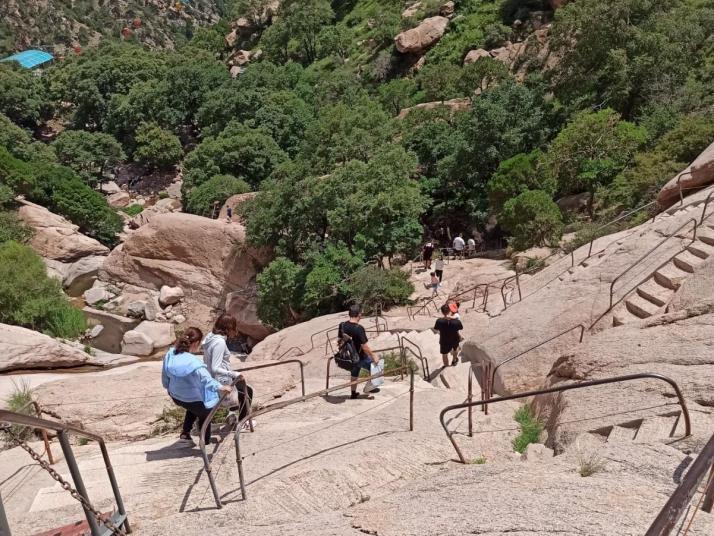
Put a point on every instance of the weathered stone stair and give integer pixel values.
(653, 429)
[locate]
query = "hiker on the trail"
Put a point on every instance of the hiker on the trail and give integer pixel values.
(471, 246)
(218, 360)
(439, 267)
(459, 245)
(434, 284)
(189, 384)
(449, 336)
(229, 214)
(356, 332)
(426, 254)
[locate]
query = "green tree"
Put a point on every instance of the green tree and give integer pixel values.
(480, 75)
(375, 288)
(213, 193)
(239, 150)
(21, 95)
(517, 175)
(278, 294)
(90, 154)
(157, 148)
(440, 82)
(29, 298)
(532, 219)
(326, 280)
(20, 143)
(591, 150)
(285, 116)
(397, 94)
(304, 20)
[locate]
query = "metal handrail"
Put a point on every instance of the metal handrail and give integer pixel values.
(402, 358)
(475, 290)
(286, 352)
(280, 405)
(63, 431)
(568, 387)
(420, 308)
(627, 214)
(214, 409)
(45, 439)
(681, 196)
(706, 203)
(682, 496)
(376, 323)
(492, 378)
(420, 356)
(649, 252)
(328, 341)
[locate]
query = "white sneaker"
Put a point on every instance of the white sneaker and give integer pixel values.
(368, 387)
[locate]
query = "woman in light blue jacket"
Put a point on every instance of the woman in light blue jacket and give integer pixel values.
(189, 383)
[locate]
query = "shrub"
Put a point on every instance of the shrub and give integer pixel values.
(157, 147)
(516, 175)
(277, 293)
(372, 287)
(133, 210)
(20, 397)
(215, 191)
(11, 228)
(531, 429)
(532, 219)
(170, 420)
(29, 298)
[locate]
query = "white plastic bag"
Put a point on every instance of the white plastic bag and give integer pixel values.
(375, 382)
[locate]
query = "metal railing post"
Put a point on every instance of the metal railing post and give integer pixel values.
(469, 398)
(411, 400)
(77, 479)
(115, 486)
(708, 503)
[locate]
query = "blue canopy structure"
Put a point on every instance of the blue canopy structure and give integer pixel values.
(29, 59)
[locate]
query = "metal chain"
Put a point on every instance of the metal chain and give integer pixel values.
(67, 486)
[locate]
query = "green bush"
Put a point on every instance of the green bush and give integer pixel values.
(214, 192)
(371, 287)
(531, 429)
(277, 293)
(516, 175)
(11, 228)
(157, 147)
(133, 210)
(532, 219)
(29, 298)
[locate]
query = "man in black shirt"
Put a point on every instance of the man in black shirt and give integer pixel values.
(353, 329)
(449, 337)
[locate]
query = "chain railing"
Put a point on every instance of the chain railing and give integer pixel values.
(280, 405)
(560, 389)
(99, 524)
(679, 502)
(207, 422)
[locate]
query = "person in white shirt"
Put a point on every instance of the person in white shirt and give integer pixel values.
(439, 268)
(459, 245)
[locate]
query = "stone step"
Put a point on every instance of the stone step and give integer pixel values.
(656, 429)
(640, 307)
(622, 316)
(670, 276)
(706, 235)
(654, 292)
(701, 250)
(620, 434)
(687, 261)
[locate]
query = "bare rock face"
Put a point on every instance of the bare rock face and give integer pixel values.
(55, 237)
(206, 258)
(242, 305)
(163, 206)
(120, 199)
(22, 348)
(699, 173)
(418, 39)
(170, 295)
(475, 55)
(411, 10)
(447, 9)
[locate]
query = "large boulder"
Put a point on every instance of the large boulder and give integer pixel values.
(137, 343)
(242, 305)
(163, 206)
(55, 237)
(170, 295)
(22, 349)
(698, 173)
(418, 39)
(452, 105)
(474, 55)
(160, 334)
(119, 199)
(206, 258)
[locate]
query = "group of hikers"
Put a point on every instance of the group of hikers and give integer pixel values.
(199, 385)
(461, 249)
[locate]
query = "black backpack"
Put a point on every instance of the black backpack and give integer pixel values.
(346, 357)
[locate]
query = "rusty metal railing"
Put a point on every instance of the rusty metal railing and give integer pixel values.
(286, 352)
(560, 389)
(45, 439)
(706, 204)
(679, 501)
(209, 418)
(649, 252)
(414, 310)
(620, 218)
(280, 405)
(483, 287)
(418, 354)
(64, 431)
(491, 371)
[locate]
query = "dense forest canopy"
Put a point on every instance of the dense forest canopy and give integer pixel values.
(615, 97)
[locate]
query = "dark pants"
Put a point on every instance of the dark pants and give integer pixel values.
(245, 399)
(439, 273)
(194, 410)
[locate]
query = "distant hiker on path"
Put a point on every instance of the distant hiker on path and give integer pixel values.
(356, 332)
(189, 384)
(439, 268)
(459, 246)
(426, 254)
(433, 284)
(449, 336)
(218, 360)
(229, 214)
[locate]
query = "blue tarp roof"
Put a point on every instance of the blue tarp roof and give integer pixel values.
(30, 59)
